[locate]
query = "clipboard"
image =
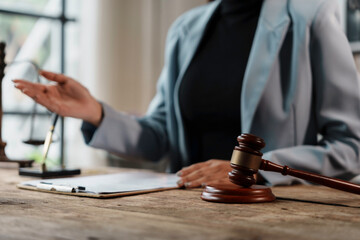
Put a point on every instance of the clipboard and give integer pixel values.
(105, 186)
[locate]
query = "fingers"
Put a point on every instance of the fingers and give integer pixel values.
(59, 78)
(188, 170)
(38, 92)
(194, 179)
(31, 88)
(199, 182)
(39, 98)
(200, 174)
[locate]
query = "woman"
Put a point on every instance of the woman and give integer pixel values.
(298, 82)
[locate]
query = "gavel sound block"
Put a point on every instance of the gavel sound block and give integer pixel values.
(246, 161)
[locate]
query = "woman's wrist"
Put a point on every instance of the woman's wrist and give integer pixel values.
(97, 114)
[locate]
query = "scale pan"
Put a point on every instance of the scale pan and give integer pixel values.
(34, 142)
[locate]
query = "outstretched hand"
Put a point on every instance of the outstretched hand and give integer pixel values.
(201, 174)
(67, 97)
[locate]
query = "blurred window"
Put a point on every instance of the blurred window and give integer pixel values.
(35, 34)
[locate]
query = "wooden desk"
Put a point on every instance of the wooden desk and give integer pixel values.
(302, 212)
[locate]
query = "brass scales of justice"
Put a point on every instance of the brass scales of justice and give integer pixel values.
(25, 166)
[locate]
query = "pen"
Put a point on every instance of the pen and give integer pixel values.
(59, 188)
(48, 141)
(56, 188)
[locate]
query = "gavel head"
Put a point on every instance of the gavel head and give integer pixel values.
(246, 160)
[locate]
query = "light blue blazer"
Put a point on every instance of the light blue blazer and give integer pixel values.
(300, 93)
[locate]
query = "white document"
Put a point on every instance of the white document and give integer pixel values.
(108, 184)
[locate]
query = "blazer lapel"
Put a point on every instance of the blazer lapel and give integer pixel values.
(270, 33)
(194, 33)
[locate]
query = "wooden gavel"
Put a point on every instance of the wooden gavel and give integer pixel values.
(247, 160)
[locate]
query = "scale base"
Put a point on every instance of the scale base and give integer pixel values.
(49, 173)
(20, 163)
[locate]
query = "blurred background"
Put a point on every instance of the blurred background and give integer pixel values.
(113, 47)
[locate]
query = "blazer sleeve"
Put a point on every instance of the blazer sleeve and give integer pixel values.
(139, 138)
(337, 106)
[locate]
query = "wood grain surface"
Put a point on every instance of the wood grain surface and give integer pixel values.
(300, 212)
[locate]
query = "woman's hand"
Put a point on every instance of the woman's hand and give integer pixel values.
(201, 174)
(67, 97)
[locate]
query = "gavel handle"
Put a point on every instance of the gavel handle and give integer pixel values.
(312, 177)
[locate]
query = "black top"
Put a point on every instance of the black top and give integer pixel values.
(211, 87)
